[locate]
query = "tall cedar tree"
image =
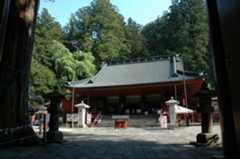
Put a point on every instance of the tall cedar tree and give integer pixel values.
(135, 40)
(16, 53)
(99, 29)
(183, 30)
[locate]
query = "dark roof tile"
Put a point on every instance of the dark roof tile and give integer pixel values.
(134, 74)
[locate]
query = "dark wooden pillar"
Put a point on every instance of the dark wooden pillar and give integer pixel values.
(105, 107)
(121, 105)
(175, 92)
(5, 9)
(143, 102)
(225, 35)
(88, 100)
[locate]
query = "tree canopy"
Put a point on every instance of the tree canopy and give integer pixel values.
(99, 29)
(53, 64)
(135, 40)
(182, 30)
(98, 33)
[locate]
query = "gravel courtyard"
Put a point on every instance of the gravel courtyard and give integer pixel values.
(109, 143)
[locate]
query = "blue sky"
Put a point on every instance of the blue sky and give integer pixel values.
(142, 11)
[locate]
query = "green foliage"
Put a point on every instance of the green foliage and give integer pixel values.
(48, 27)
(71, 66)
(53, 64)
(135, 40)
(182, 30)
(76, 31)
(65, 65)
(47, 30)
(99, 29)
(43, 77)
(85, 64)
(43, 80)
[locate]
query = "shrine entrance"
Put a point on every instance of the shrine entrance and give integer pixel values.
(15, 57)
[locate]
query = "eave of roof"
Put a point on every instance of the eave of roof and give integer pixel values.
(88, 86)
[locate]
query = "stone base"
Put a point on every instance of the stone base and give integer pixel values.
(172, 126)
(81, 126)
(217, 157)
(207, 138)
(54, 137)
(19, 137)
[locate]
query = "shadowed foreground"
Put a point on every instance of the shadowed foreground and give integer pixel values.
(132, 143)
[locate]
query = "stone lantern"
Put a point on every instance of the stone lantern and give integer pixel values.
(82, 114)
(206, 136)
(54, 135)
(172, 104)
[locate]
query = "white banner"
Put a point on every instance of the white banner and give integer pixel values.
(72, 117)
(163, 121)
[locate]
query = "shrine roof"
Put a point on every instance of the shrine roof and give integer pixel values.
(162, 70)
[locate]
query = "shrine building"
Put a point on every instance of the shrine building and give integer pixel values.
(136, 87)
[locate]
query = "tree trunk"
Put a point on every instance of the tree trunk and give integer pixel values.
(17, 21)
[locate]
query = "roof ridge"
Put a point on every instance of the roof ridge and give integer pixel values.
(139, 61)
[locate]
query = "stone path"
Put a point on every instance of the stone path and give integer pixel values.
(109, 143)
